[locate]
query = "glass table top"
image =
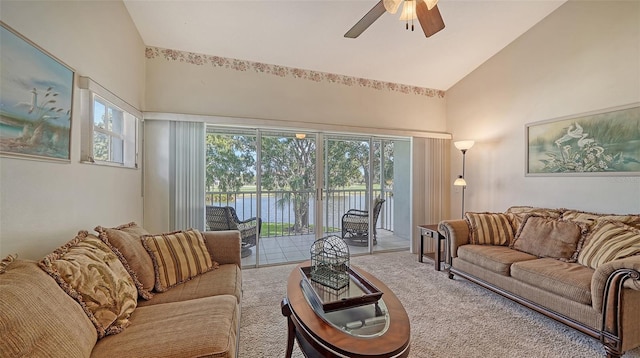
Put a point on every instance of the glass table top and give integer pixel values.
(371, 320)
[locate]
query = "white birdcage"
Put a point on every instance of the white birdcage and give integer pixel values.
(330, 262)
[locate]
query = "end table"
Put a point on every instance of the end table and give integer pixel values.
(431, 231)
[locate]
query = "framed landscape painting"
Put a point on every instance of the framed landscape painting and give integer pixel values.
(36, 95)
(605, 142)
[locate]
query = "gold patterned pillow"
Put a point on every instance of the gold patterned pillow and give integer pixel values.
(177, 257)
(608, 241)
(489, 228)
(92, 274)
(136, 259)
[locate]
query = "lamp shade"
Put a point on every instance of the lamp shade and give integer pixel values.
(408, 10)
(460, 181)
(464, 144)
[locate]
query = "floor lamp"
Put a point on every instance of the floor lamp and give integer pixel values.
(463, 146)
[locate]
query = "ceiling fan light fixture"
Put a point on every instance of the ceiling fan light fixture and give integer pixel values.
(409, 10)
(426, 11)
(392, 5)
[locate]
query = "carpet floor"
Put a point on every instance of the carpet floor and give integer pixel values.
(449, 318)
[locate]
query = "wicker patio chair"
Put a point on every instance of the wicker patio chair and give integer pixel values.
(355, 224)
(225, 218)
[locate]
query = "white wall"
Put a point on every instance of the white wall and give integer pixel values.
(583, 57)
(44, 204)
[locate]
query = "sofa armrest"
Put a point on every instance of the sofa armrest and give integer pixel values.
(456, 233)
(603, 272)
(224, 246)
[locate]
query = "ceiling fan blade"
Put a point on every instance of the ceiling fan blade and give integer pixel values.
(366, 20)
(430, 20)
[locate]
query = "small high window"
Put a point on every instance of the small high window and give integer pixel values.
(109, 129)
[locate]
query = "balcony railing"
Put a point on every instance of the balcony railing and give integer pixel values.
(277, 208)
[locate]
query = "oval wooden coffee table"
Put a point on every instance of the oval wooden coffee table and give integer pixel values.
(317, 338)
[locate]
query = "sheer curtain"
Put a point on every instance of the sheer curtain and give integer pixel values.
(186, 175)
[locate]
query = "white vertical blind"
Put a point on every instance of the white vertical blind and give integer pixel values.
(437, 179)
(187, 175)
(431, 184)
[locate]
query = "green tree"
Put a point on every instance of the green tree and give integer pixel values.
(230, 161)
(288, 164)
(348, 163)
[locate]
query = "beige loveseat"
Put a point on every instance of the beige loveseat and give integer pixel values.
(579, 268)
(77, 302)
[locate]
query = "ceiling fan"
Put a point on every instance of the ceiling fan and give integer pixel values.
(426, 11)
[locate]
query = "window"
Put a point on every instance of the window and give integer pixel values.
(109, 132)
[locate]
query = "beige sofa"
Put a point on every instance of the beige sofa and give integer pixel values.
(199, 317)
(579, 268)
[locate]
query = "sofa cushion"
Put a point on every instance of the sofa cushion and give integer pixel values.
(495, 258)
(517, 214)
(549, 237)
(608, 241)
(489, 228)
(569, 280)
(226, 280)
(90, 272)
(38, 319)
(126, 240)
(591, 218)
(177, 257)
(204, 327)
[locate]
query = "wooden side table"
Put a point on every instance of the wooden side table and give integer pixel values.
(431, 231)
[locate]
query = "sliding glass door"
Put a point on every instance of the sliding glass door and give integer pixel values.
(288, 189)
(232, 198)
(359, 203)
(298, 187)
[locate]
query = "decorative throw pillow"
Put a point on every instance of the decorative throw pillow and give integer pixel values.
(591, 218)
(608, 241)
(517, 214)
(177, 257)
(90, 272)
(126, 240)
(489, 228)
(548, 237)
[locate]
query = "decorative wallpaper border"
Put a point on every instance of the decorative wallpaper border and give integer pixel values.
(282, 71)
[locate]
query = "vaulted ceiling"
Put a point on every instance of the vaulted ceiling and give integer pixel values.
(308, 34)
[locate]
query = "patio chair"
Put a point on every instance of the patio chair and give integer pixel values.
(355, 224)
(225, 218)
